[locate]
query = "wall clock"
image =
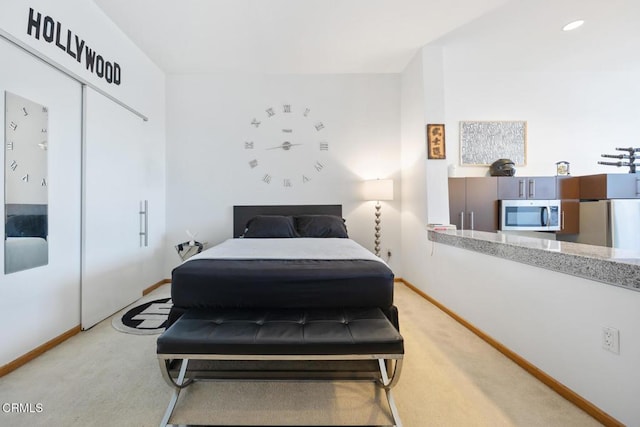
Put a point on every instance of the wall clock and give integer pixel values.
(26, 138)
(287, 146)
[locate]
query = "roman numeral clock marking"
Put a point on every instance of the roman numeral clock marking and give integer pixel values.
(282, 142)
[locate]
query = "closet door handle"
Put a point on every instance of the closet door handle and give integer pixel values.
(144, 223)
(462, 220)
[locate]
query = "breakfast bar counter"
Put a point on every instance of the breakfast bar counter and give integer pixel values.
(607, 265)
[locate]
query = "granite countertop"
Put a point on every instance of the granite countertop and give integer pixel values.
(608, 265)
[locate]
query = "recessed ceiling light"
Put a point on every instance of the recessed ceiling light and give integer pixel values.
(573, 25)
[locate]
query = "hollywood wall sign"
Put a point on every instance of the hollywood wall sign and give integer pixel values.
(43, 27)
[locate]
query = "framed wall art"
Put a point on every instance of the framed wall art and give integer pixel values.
(435, 141)
(482, 143)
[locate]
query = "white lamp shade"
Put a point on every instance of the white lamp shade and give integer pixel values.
(378, 189)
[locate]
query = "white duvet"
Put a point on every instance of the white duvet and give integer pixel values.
(294, 248)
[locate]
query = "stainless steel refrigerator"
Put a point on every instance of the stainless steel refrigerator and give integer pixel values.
(612, 223)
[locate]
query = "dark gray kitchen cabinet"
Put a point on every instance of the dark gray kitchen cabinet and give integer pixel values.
(569, 194)
(473, 203)
(523, 187)
(610, 186)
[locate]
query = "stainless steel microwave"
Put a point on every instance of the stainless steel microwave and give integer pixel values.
(530, 215)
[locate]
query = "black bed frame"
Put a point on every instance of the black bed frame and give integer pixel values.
(242, 214)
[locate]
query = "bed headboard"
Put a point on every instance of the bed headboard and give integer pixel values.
(242, 214)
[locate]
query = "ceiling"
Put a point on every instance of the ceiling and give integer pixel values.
(288, 36)
(527, 35)
(372, 36)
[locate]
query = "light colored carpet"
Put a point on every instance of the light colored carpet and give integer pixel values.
(450, 377)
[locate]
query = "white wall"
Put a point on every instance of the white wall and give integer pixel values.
(436, 169)
(209, 120)
(56, 299)
(577, 107)
(425, 195)
(142, 86)
(578, 91)
(573, 116)
(140, 78)
(551, 319)
(414, 184)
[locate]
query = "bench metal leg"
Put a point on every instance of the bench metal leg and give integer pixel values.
(388, 379)
(164, 369)
(387, 383)
(385, 367)
(177, 387)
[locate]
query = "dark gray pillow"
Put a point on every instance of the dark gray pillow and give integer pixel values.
(270, 226)
(321, 226)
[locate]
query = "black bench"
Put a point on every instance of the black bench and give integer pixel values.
(281, 335)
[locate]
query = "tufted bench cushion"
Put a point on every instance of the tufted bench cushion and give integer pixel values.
(281, 332)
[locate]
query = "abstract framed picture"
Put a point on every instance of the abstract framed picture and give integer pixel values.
(483, 142)
(435, 141)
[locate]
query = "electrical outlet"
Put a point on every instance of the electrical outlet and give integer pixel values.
(611, 339)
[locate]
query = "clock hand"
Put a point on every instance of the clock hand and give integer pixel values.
(285, 146)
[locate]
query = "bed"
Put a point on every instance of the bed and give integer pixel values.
(284, 257)
(289, 297)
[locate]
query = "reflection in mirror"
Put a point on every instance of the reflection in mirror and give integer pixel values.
(26, 195)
